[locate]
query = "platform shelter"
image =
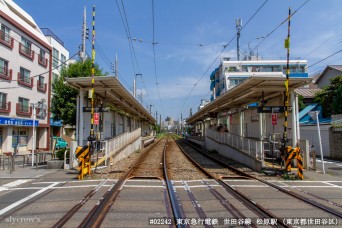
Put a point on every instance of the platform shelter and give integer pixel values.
(239, 123)
(119, 119)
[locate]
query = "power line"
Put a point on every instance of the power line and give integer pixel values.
(285, 20)
(224, 47)
(154, 57)
(56, 67)
(325, 58)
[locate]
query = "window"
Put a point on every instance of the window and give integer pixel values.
(41, 58)
(3, 67)
(3, 100)
(42, 55)
(25, 46)
(24, 105)
(55, 58)
(63, 60)
(41, 86)
(20, 136)
(5, 34)
(0, 137)
(54, 77)
(25, 75)
(41, 81)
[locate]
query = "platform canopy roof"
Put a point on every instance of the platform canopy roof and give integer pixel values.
(249, 91)
(110, 90)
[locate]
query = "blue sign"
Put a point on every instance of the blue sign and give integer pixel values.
(17, 122)
(56, 123)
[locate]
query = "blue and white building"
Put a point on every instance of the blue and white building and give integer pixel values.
(230, 73)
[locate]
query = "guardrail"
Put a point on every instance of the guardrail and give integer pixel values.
(250, 146)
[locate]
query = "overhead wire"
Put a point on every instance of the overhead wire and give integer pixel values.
(224, 48)
(276, 28)
(48, 71)
(130, 43)
(154, 58)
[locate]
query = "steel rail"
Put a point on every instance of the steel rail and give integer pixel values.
(253, 206)
(96, 216)
(76, 207)
(177, 212)
(293, 194)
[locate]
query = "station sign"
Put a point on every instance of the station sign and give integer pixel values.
(274, 119)
(96, 118)
(273, 109)
(97, 109)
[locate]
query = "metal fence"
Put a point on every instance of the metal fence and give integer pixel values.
(252, 147)
(113, 145)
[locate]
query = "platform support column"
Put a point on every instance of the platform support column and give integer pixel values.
(294, 119)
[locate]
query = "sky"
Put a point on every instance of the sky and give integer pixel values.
(175, 45)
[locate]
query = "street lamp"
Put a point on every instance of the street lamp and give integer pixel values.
(314, 116)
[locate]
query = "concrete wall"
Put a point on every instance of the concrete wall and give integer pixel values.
(233, 154)
(309, 132)
(129, 149)
(335, 140)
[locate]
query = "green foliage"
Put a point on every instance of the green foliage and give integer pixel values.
(60, 153)
(63, 104)
(330, 98)
(301, 102)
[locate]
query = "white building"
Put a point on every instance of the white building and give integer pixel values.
(25, 80)
(60, 58)
(231, 73)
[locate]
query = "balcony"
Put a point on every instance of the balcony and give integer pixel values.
(6, 74)
(41, 87)
(5, 107)
(26, 51)
(28, 82)
(23, 110)
(6, 40)
(42, 61)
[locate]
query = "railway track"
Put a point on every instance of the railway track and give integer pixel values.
(309, 201)
(181, 200)
(148, 166)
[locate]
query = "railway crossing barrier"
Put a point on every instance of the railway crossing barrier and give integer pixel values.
(84, 164)
(294, 153)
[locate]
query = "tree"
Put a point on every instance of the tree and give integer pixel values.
(330, 98)
(64, 100)
(301, 103)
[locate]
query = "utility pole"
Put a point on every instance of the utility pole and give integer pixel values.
(181, 127)
(151, 109)
(135, 85)
(116, 66)
(84, 34)
(238, 23)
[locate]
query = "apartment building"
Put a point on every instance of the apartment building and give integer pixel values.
(25, 81)
(60, 59)
(232, 72)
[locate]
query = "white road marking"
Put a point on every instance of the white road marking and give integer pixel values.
(13, 205)
(12, 184)
(143, 186)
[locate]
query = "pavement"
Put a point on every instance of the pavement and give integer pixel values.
(333, 171)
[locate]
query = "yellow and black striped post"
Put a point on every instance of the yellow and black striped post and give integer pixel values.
(300, 164)
(83, 156)
(289, 156)
(91, 138)
(294, 153)
(286, 102)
